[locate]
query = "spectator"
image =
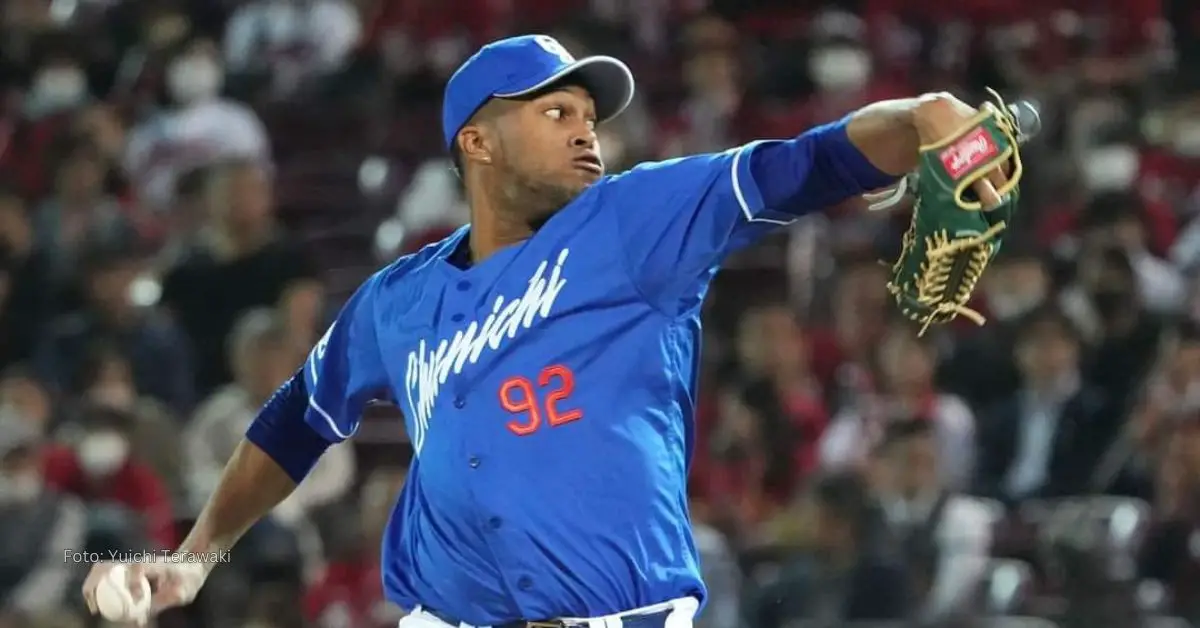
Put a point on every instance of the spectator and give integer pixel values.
(980, 367)
(36, 526)
(292, 42)
(78, 208)
(348, 591)
(200, 130)
(756, 453)
(945, 535)
(1045, 440)
(843, 356)
(27, 397)
(1117, 219)
(1129, 335)
(118, 489)
(907, 368)
(27, 295)
(106, 381)
(246, 263)
(843, 575)
(773, 351)
(158, 352)
(1168, 556)
(710, 118)
(262, 360)
(60, 83)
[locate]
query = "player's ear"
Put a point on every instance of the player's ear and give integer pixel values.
(474, 145)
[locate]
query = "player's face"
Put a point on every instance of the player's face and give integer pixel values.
(550, 147)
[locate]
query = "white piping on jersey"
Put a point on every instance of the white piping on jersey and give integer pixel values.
(317, 356)
(736, 181)
(428, 368)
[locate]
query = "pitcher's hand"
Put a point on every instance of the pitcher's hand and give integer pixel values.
(943, 115)
(171, 583)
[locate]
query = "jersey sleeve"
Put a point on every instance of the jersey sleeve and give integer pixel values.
(344, 371)
(678, 219)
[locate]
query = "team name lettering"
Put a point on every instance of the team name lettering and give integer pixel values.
(968, 152)
(429, 367)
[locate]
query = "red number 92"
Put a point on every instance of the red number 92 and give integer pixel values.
(519, 396)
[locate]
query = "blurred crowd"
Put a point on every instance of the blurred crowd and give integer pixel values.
(189, 189)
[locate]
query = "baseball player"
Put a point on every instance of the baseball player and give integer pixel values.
(545, 356)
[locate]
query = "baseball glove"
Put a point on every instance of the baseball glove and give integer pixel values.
(951, 238)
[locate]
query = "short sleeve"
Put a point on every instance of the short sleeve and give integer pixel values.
(345, 369)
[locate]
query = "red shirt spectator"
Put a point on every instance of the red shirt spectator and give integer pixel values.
(131, 484)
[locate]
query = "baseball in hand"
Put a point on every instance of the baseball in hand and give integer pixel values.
(116, 602)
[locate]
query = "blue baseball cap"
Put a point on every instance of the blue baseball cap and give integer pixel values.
(519, 66)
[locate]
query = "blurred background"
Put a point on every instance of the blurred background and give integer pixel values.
(191, 189)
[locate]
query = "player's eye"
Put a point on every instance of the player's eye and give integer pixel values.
(555, 113)
(591, 124)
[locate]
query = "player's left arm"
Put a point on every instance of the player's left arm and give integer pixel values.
(678, 219)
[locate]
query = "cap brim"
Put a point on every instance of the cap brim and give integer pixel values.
(609, 81)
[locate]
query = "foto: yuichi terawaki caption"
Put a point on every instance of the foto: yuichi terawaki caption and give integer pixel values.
(164, 556)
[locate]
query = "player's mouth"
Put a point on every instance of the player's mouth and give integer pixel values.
(590, 164)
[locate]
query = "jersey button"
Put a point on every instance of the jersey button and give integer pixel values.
(474, 462)
(459, 402)
(464, 286)
(495, 523)
(457, 318)
(524, 583)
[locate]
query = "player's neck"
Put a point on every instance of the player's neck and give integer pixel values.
(492, 229)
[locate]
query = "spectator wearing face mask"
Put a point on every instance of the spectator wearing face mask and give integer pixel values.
(106, 380)
(57, 87)
(118, 489)
(199, 129)
(36, 525)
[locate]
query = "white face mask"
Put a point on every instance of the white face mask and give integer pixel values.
(1186, 139)
(840, 67)
(101, 453)
(1110, 168)
(19, 488)
(194, 78)
(59, 87)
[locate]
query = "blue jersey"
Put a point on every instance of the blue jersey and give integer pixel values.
(549, 390)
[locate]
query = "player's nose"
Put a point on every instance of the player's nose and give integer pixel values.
(584, 139)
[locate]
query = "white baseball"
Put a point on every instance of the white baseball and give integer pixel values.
(116, 602)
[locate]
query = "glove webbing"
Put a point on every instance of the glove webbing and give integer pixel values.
(936, 272)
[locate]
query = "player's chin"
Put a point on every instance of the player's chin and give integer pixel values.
(587, 173)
